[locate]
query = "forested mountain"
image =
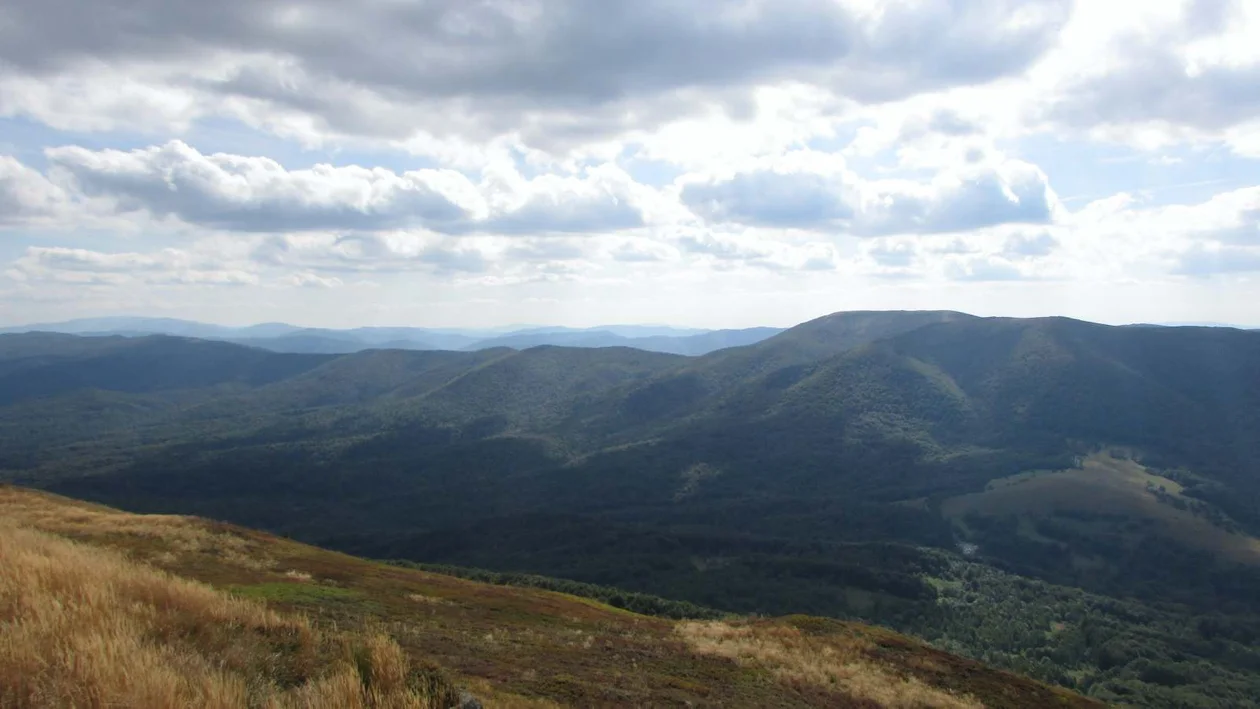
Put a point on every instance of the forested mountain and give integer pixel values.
(44, 365)
(1046, 493)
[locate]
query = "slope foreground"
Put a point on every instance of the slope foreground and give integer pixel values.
(87, 627)
(106, 608)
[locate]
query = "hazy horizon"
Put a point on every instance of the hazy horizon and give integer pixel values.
(509, 328)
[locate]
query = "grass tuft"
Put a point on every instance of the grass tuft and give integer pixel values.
(87, 627)
(798, 658)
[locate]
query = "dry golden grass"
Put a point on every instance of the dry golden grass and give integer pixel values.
(1104, 484)
(494, 698)
(86, 627)
(797, 658)
(177, 534)
(428, 600)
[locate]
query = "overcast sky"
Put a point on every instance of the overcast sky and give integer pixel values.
(715, 163)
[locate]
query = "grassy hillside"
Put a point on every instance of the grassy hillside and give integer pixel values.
(90, 627)
(105, 608)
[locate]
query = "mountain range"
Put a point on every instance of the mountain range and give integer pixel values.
(1073, 501)
(281, 337)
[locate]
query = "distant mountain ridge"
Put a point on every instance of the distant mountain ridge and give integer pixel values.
(282, 337)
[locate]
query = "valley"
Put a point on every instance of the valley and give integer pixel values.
(1102, 479)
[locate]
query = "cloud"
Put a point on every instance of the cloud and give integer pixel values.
(1013, 193)
(1246, 227)
(974, 197)
(553, 72)
(641, 251)
(956, 245)
(983, 268)
(947, 122)
(545, 250)
(387, 252)
(1031, 245)
(26, 195)
(917, 47)
(625, 145)
(819, 257)
(311, 280)
(454, 260)
(895, 255)
(1204, 260)
(728, 251)
(257, 194)
(1198, 68)
(775, 199)
(164, 267)
(1231, 217)
(453, 48)
(556, 213)
(720, 248)
(603, 199)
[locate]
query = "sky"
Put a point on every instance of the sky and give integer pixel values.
(712, 163)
